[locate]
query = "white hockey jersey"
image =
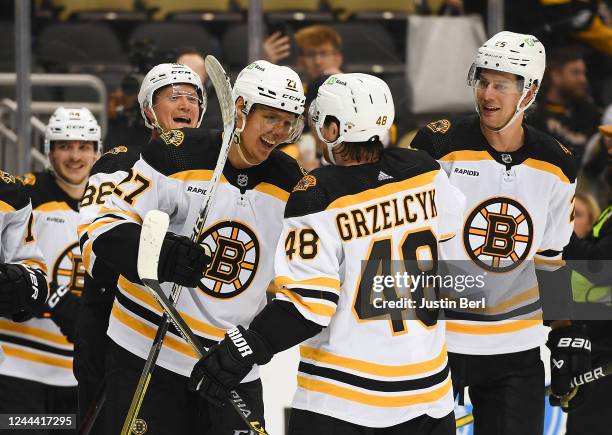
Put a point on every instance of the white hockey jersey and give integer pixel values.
(520, 216)
(242, 230)
(45, 355)
(18, 244)
(342, 227)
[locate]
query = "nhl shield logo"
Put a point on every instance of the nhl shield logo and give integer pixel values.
(440, 126)
(306, 182)
(243, 180)
(173, 137)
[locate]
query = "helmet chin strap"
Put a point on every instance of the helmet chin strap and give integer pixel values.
(517, 112)
(237, 139)
(155, 122)
(63, 180)
(330, 145)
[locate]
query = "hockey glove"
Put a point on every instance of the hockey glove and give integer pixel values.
(570, 356)
(61, 307)
(23, 291)
(227, 363)
(181, 261)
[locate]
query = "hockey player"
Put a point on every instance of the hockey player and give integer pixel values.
(364, 369)
(169, 94)
(23, 289)
(40, 379)
(519, 184)
(226, 275)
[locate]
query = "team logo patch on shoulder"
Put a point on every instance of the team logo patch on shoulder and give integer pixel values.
(6, 177)
(173, 137)
(498, 234)
(306, 182)
(28, 179)
(117, 150)
(440, 126)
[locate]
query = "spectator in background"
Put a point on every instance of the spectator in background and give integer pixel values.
(586, 211)
(276, 47)
(596, 174)
(592, 289)
(565, 110)
(319, 51)
(125, 125)
(193, 59)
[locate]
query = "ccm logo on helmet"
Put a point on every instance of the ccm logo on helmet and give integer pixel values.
(291, 97)
(239, 342)
(578, 343)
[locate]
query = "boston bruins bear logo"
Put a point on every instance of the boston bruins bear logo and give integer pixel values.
(235, 259)
(440, 126)
(498, 234)
(306, 182)
(117, 150)
(173, 137)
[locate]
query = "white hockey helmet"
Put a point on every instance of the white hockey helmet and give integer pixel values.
(272, 85)
(72, 124)
(515, 53)
(362, 104)
(166, 74)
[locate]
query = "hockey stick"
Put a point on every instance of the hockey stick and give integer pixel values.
(223, 89)
(584, 378)
(152, 235)
(94, 409)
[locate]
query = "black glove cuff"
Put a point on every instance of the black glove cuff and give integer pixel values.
(248, 347)
(573, 337)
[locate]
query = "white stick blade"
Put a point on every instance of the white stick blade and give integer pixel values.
(152, 235)
(223, 89)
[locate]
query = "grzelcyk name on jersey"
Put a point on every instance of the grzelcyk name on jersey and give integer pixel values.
(196, 190)
(469, 172)
(239, 341)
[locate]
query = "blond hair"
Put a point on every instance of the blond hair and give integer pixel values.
(591, 206)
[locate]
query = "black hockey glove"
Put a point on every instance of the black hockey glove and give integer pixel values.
(570, 356)
(181, 261)
(23, 290)
(62, 307)
(227, 363)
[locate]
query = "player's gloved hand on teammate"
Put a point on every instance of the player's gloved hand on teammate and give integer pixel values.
(23, 290)
(227, 363)
(570, 356)
(182, 261)
(62, 307)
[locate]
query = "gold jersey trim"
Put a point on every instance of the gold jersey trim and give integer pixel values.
(384, 190)
(349, 394)
(492, 327)
(37, 357)
(371, 368)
